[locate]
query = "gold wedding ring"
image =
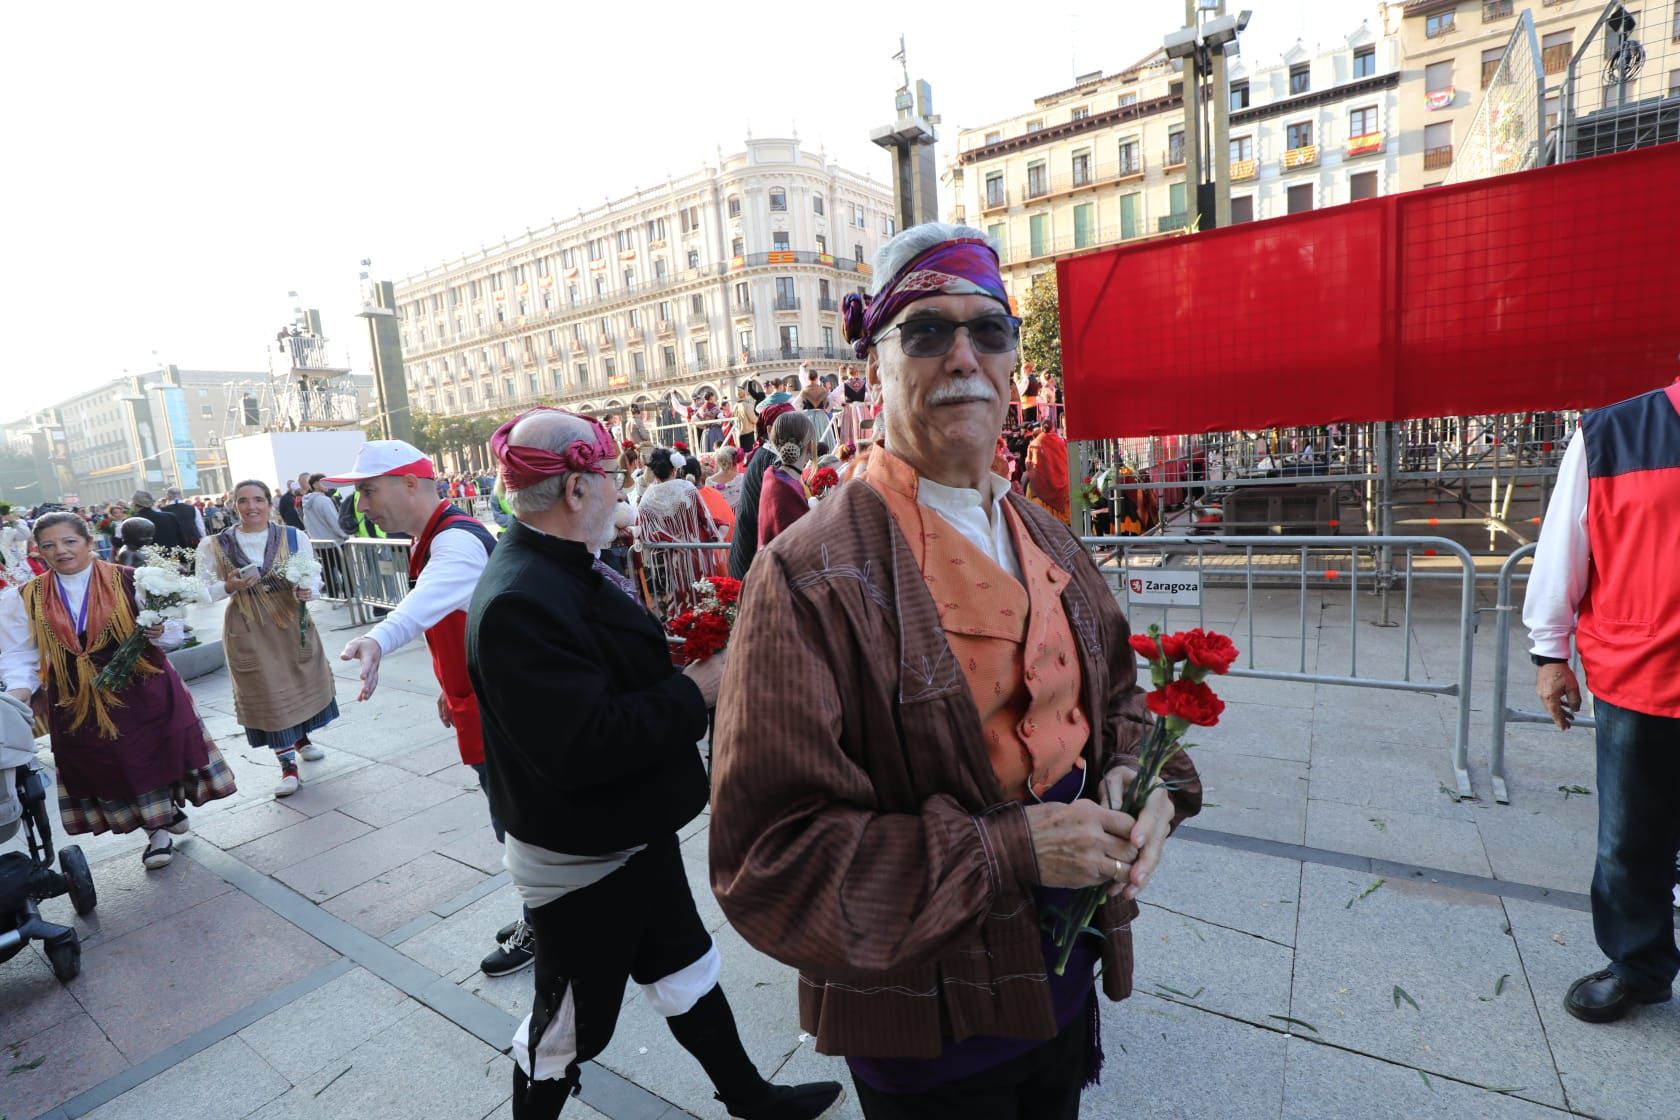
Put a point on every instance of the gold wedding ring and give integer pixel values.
(1119, 870)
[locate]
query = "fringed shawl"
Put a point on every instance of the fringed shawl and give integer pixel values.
(67, 657)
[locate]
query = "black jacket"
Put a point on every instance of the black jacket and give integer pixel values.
(590, 733)
(168, 529)
(289, 511)
(185, 517)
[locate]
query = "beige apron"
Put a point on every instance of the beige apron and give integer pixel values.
(279, 681)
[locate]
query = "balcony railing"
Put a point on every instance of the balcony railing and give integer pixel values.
(787, 303)
(1556, 58)
(1171, 222)
(1244, 169)
(1368, 144)
(666, 326)
(700, 319)
(828, 304)
(995, 202)
(1437, 158)
(1173, 159)
(1304, 156)
(1091, 178)
(743, 307)
(308, 352)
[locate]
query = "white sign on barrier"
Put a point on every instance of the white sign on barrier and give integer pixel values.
(1164, 589)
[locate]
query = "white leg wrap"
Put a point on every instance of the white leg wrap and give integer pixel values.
(677, 993)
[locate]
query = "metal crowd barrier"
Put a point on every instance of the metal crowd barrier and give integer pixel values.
(1314, 563)
(664, 572)
(1503, 712)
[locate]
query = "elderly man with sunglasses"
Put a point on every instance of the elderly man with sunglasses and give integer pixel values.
(956, 709)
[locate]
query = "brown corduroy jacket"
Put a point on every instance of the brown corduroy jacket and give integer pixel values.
(858, 832)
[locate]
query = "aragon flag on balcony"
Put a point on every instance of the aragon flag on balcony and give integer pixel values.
(1546, 289)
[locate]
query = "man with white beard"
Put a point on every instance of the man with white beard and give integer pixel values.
(592, 765)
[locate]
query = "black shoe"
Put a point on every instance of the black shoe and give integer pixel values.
(513, 952)
(1602, 997)
(508, 930)
(812, 1101)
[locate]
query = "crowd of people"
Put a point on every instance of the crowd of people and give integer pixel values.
(923, 724)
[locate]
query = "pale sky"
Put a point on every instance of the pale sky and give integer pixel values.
(174, 169)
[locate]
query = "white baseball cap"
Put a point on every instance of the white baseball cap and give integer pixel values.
(379, 457)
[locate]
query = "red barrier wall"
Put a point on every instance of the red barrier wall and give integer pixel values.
(1553, 288)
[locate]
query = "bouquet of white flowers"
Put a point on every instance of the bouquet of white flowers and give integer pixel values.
(302, 570)
(162, 593)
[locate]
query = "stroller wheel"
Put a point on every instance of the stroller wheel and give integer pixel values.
(66, 957)
(75, 867)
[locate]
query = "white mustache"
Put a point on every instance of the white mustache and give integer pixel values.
(962, 388)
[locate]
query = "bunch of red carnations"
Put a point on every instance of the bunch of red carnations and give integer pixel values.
(704, 628)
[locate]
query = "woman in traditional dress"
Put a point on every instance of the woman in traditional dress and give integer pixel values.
(783, 498)
(672, 511)
(127, 758)
(282, 687)
(1047, 473)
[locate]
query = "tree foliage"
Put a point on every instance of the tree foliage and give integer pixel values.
(466, 437)
(1041, 327)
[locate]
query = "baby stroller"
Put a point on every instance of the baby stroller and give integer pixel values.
(26, 880)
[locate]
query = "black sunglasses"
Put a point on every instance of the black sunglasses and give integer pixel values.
(930, 337)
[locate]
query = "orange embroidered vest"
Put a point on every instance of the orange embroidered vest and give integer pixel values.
(1011, 637)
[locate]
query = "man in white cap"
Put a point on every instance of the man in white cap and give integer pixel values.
(395, 483)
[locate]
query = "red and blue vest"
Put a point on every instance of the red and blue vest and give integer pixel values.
(447, 639)
(1629, 619)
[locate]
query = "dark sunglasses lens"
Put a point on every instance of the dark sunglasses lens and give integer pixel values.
(993, 334)
(927, 338)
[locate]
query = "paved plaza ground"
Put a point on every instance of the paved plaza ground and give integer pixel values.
(1336, 935)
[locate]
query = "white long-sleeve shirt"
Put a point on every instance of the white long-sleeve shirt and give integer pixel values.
(20, 659)
(251, 546)
(1558, 579)
(445, 585)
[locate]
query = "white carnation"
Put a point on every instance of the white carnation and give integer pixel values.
(147, 619)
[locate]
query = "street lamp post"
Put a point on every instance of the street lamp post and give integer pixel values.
(1205, 46)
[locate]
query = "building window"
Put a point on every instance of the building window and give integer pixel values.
(611, 368)
(1177, 200)
(629, 279)
(1037, 181)
(659, 269)
(656, 229)
(790, 341)
(778, 198)
(1364, 62)
(1242, 148)
(638, 362)
(743, 295)
(785, 299)
(1080, 113)
(582, 372)
(1555, 50)
(1300, 78)
(857, 252)
(994, 190)
(531, 383)
(1131, 216)
(634, 316)
(626, 241)
(1175, 147)
(1239, 95)
(1496, 9)
(1130, 163)
(1440, 23)
(1084, 225)
(993, 137)
(857, 216)
(1035, 126)
(1438, 77)
(206, 411)
(1242, 209)
(1129, 98)
(1362, 122)
(1362, 185)
(828, 341)
(1081, 168)
(1300, 198)
(694, 258)
(779, 241)
(822, 244)
(1038, 233)
(1490, 64)
(737, 247)
(1437, 145)
(567, 258)
(668, 359)
(734, 206)
(816, 204)
(690, 216)
(1299, 135)
(697, 304)
(743, 341)
(700, 355)
(994, 234)
(888, 227)
(600, 286)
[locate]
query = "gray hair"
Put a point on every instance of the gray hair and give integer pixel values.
(912, 243)
(551, 431)
(141, 498)
(173, 493)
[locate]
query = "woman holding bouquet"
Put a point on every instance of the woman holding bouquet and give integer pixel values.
(128, 757)
(282, 687)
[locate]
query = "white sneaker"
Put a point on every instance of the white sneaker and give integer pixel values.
(288, 782)
(309, 752)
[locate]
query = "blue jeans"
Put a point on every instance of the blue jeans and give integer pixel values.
(1638, 837)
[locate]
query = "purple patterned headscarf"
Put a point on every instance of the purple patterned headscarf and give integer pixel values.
(965, 266)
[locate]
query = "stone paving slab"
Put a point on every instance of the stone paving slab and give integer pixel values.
(227, 1081)
(318, 1028)
(253, 817)
(1450, 845)
(1243, 891)
(388, 900)
(292, 845)
(453, 946)
(1210, 967)
(131, 897)
(335, 871)
(1252, 795)
(159, 984)
(1323, 1083)
(55, 1064)
(1619, 1071)
(1444, 949)
(1174, 1062)
(404, 796)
